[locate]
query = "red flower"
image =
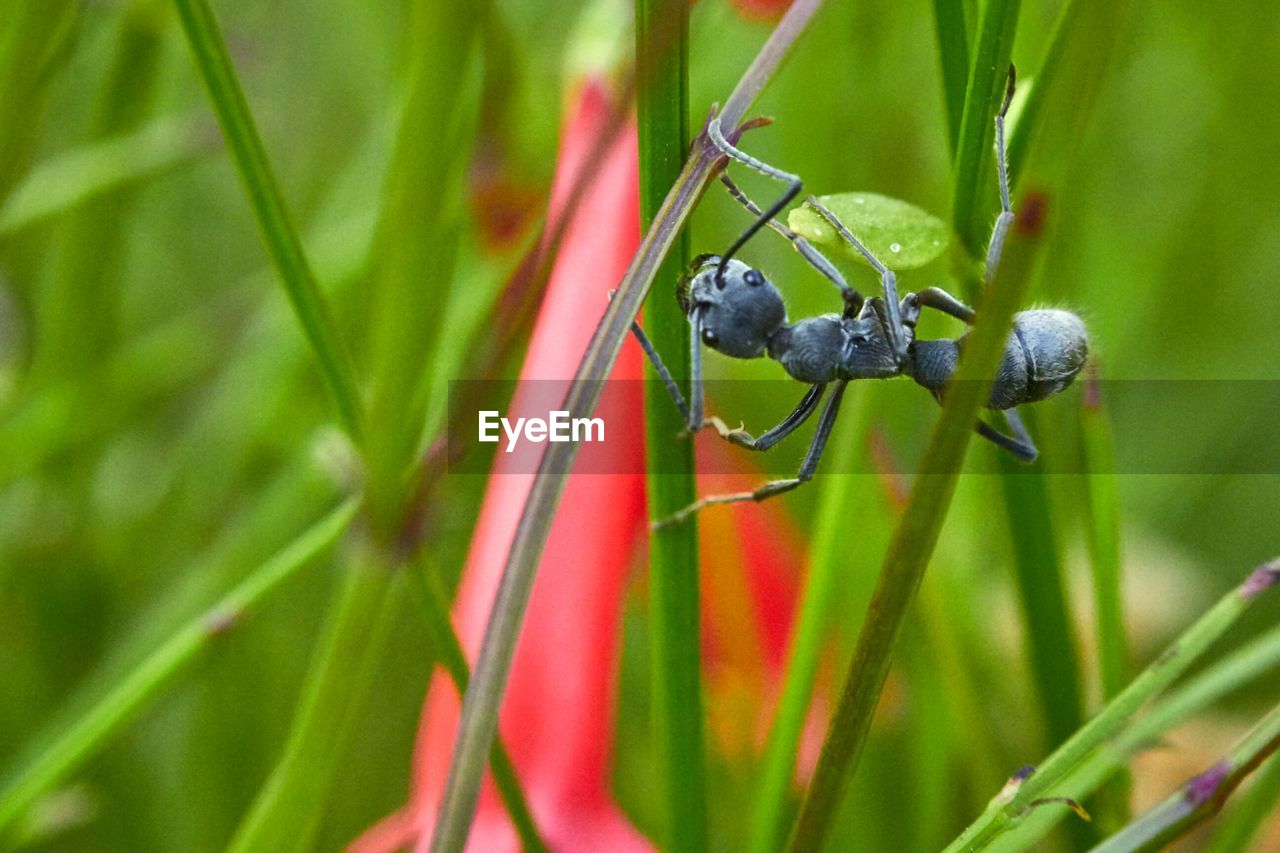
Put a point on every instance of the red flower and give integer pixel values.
(557, 718)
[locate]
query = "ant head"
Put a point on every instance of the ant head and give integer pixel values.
(738, 309)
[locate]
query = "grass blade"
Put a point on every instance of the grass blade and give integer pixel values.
(662, 100)
(133, 693)
(479, 719)
(917, 532)
(974, 185)
(1237, 829)
(290, 808)
(282, 240)
(1004, 811)
(953, 54)
(1202, 796)
(444, 642)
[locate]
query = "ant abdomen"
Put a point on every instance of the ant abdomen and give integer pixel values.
(1046, 350)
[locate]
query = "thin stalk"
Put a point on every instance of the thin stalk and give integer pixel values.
(825, 572)
(1216, 681)
(1102, 530)
(662, 99)
(1237, 829)
(917, 533)
(68, 180)
(283, 243)
(1201, 797)
(289, 809)
(988, 70)
(953, 54)
(136, 691)
(479, 718)
(1005, 810)
(444, 642)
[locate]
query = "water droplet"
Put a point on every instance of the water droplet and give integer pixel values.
(895, 247)
(859, 201)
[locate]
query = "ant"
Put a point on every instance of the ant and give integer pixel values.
(733, 309)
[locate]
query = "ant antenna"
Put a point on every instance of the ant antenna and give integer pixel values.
(794, 185)
(996, 247)
(852, 299)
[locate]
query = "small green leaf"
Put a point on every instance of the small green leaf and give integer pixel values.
(901, 235)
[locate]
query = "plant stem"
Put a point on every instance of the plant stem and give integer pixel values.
(1201, 797)
(479, 719)
(988, 71)
(1216, 681)
(826, 570)
(135, 691)
(917, 533)
(289, 809)
(1238, 828)
(283, 243)
(953, 54)
(448, 651)
(662, 74)
(1004, 811)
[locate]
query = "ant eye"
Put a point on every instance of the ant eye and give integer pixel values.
(753, 278)
(710, 338)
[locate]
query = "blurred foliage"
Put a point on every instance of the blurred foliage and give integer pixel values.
(163, 428)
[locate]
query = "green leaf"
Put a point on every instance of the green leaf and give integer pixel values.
(901, 235)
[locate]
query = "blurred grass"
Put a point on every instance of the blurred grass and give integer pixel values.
(197, 440)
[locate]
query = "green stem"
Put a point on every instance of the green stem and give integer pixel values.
(1004, 811)
(444, 642)
(479, 719)
(953, 52)
(1201, 797)
(289, 809)
(662, 97)
(823, 579)
(1201, 691)
(917, 533)
(988, 71)
(283, 243)
(135, 691)
(1237, 829)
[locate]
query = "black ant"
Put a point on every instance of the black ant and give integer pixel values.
(733, 309)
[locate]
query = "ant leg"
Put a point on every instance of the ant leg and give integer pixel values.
(1020, 444)
(665, 375)
(888, 281)
(694, 423)
(773, 487)
(852, 299)
(793, 182)
(996, 247)
(937, 299)
(799, 415)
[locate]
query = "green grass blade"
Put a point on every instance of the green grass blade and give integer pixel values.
(1201, 797)
(662, 72)
(479, 720)
(1050, 628)
(1199, 692)
(289, 809)
(1005, 811)
(953, 55)
(826, 571)
(917, 532)
(134, 692)
(444, 642)
(1237, 829)
(283, 243)
(83, 173)
(417, 243)
(973, 189)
